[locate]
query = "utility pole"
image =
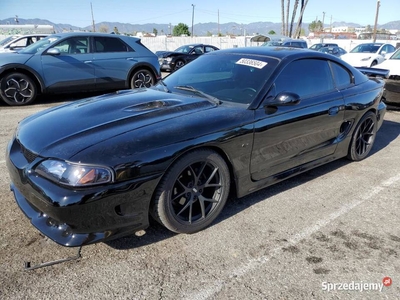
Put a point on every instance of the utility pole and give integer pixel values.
(218, 24)
(91, 8)
(323, 20)
(378, 3)
(192, 18)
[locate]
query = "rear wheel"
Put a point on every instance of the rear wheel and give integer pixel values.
(17, 89)
(192, 193)
(374, 63)
(363, 137)
(142, 78)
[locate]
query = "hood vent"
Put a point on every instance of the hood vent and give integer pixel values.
(152, 105)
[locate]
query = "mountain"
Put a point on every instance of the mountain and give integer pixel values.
(200, 29)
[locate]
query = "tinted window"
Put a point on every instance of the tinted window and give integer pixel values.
(209, 49)
(306, 77)
(341, 76)
(109, 44)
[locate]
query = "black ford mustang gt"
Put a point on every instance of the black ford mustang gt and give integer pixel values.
(244, 119)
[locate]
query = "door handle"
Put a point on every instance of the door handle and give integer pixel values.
(333, 111)
(87, 61)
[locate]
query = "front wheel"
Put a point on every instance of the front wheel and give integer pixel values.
(179, 64)
(363, 137)
(192, 193)
(17, 89)
(142, 78)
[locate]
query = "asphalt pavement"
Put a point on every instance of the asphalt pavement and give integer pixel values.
(330, 233)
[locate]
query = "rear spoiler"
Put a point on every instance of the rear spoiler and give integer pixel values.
(374, 72)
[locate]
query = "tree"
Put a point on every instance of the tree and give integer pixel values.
(315, 26)
(181, 29)
(103, 28)
(287, 29)
(271, 32)
(116, 30)
(155, 31)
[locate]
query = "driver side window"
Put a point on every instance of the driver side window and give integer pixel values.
(305, 77)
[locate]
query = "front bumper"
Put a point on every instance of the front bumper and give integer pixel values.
(77, 217)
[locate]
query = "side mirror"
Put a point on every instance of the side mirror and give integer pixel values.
(284, 99)
(13, 46)
(53, 51)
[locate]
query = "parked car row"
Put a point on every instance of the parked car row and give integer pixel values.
(81, 62)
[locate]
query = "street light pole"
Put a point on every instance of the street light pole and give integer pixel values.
(192, 18)
(378, 3)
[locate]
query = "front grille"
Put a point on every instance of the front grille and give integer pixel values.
(29, 155)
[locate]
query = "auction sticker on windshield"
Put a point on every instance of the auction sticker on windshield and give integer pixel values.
(252, 63)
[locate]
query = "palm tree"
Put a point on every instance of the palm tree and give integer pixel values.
(296, 4)
(298, 29)
(287, 18)
(283, 16)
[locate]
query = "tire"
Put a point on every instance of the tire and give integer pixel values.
(142, 78)
(374, 63)
(192, 192)
(17, 89)
(179, 64)
(363, 137)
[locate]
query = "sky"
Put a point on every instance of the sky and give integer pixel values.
(79, 12)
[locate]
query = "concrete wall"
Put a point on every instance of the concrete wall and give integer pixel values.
(171, 43)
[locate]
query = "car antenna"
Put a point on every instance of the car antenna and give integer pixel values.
(28, 266)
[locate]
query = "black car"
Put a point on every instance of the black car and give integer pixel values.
(337, 51)
(173, 60)
(234, 120)
(318, 46)
(76, 62)
(295, 43)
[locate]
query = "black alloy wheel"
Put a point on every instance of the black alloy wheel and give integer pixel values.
(192, 193)
(142, 78)
(179, 64)
(363, 138)
(17, 89)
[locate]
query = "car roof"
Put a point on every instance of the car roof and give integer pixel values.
(81, 33)
(278, 51)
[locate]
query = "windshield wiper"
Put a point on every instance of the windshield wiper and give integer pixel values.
(189, 88)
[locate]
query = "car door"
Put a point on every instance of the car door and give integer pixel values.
(72, 69)
(292, 135)
(195, 53)
(113, 60)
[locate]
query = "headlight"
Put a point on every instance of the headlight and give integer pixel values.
(366, 58)
(74, 174)
(168, 59)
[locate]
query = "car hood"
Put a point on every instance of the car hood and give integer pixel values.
(168, 53)
(68, 129)
(13, 58)
(393, 65)
(357, 56)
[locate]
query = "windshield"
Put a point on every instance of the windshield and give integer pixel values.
(227, 77)
(184, 49)
(396, 55)
(7, 40)
(366, 48)
(40, 45)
